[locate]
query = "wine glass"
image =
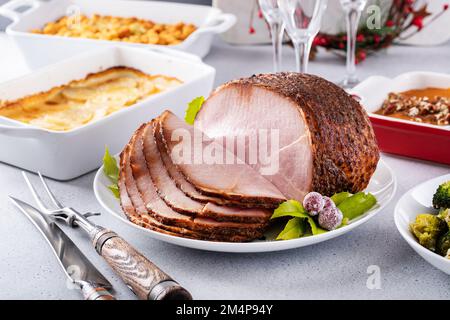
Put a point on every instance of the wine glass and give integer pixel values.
(353, 10)
(302, 19)
(271, 13)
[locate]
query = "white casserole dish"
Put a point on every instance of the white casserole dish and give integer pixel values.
(66, 155)
(41, 49)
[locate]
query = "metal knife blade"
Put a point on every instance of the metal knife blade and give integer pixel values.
(73, 262)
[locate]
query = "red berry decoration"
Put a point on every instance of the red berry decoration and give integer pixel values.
(260, 14)
(376, 38)
(418, 22)
(403, 15)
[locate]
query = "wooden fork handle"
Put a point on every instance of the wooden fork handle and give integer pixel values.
(92, 292)
(144, 278)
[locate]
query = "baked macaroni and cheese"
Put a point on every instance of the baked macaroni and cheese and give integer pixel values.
(118, 29)
(82, 101)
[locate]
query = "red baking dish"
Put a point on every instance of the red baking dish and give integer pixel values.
(412, 141)
(403, 137)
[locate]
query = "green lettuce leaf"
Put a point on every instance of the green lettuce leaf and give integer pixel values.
(193, 108)
(111, 170)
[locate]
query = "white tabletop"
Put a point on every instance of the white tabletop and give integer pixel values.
(336, 269)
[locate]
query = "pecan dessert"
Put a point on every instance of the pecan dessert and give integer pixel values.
(432, 109)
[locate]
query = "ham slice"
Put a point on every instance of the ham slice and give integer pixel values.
(325, 143)
(144, 220)
(233, 180)
(131, 199)
(185, 185)
(166, 187)
(159, 210)
(178, 200)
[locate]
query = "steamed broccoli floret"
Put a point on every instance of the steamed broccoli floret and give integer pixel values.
(443, 244)
(441, 198)
(444, 214)
(428, 228)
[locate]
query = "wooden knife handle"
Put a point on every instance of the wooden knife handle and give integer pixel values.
(144, 278)
(91, 292)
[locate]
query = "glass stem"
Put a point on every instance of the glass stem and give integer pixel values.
(276, 32)
(352, 18)
(302, 49)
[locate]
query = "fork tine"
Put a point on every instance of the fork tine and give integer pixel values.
(50, 194)
(34, 193)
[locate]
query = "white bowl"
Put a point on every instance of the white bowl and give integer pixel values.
(41, 49)
(414, 202)
(383, 185)
(69, 154)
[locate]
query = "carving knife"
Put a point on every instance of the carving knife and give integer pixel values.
(82, 274)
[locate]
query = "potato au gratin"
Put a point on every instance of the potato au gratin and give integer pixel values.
(118, 29)
(75, 104)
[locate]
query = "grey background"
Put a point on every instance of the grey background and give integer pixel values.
(336, 269)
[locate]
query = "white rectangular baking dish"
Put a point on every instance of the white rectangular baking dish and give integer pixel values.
(67, 155)
(41, 49)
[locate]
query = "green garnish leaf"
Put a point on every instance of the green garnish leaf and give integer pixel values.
(111, 170)
(294, 228)
(293, 208)
(345, 222)
(357, 205)
(110, 167)
(338, 198)
(193, 108)
(114, 188)
(290, 208)
(315, 230)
